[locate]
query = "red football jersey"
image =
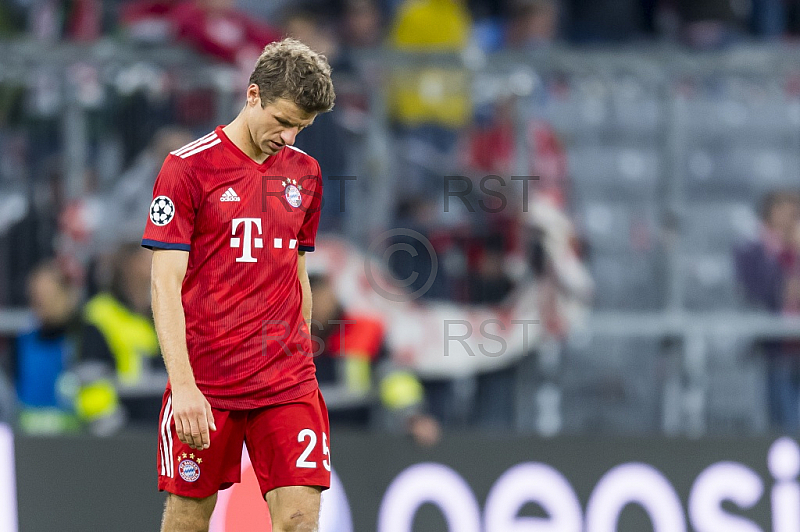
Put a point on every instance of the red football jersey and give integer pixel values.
(243, 224)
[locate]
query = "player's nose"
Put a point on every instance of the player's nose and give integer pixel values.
(288, 136)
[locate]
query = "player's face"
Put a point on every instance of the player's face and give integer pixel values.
(277, 124)
(49, 300)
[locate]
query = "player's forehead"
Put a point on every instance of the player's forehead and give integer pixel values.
(288, 111)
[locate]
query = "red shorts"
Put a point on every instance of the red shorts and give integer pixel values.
(287, 443)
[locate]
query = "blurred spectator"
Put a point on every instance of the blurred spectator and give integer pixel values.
(125, 207)
(213, 27)
(43, 354)
(505, 252)
(77, 20)
(11, 19)
(216, 28)
(127, 351)
(608, 21)
(502, 257)
(500, 230)
(486, 401)
(362, 25)
(792, 297)
(792, 18)
(353, 361)
(429, 104)
(768, 18)
(431, 95)
(122, 315)
(554, 257)
(768, 270)
(85, 21)
(762, 263)
(488, 9)
(310, 28)
(327, 140)
(431, 26)
(491, 149)
(531, 24)
(708, 24)
(69, 370)
(489, 282)
(148, 20)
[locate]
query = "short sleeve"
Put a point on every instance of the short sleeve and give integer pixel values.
(170, 221)
(308, 231)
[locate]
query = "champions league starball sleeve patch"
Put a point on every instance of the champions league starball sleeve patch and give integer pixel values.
(162, 210)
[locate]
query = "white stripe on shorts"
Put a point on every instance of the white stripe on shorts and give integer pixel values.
(166, 440)
(171, 471)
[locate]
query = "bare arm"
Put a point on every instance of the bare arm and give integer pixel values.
(192, 412)
(168, 271)
(302, 275)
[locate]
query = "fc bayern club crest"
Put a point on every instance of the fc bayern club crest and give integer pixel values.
(291, 192)
(189, 470)
(162, 210)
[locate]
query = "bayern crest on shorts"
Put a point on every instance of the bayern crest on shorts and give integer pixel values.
(291, 192)
(189, 470)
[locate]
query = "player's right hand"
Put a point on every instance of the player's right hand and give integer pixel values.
(193, 416)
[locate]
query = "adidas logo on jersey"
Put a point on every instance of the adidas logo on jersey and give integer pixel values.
(230, 195)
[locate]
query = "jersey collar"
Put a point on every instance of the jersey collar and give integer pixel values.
(238, 153)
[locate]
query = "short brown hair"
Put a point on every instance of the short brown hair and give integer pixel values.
(291, 70)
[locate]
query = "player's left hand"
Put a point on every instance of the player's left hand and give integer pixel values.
(193, 416)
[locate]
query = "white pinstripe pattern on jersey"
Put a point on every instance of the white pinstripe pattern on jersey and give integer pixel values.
(201, 148)
(193, 144)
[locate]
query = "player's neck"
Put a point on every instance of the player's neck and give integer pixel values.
(238, 133)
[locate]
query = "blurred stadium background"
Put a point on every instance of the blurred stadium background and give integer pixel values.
(566, 233)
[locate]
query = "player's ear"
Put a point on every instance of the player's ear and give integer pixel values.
(253, 95)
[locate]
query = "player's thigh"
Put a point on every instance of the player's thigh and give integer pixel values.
(187, 513)
(294, 508)
(289, 444)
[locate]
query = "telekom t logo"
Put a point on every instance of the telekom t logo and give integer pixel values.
(252, 241)
(249, 241)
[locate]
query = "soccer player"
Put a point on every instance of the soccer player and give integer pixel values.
(233, 215)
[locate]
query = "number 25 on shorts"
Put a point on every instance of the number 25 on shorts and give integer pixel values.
(311, 436)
